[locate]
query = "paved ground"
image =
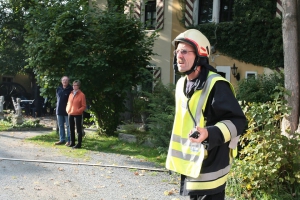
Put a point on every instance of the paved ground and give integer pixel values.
(72, 179)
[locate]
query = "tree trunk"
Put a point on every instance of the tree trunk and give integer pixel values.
(291, 63)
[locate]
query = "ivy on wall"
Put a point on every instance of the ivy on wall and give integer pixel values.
(254, 36)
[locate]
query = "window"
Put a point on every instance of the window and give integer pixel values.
(214, 11)
(226, 11)
(149, 12)
(224, 71)
(6, 79)
(250, 74)
(205, 11)
(150, 15)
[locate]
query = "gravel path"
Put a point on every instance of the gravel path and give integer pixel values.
(42, 181)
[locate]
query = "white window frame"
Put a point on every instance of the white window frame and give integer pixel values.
(250, 72)
(226, 70)
(143, 10)
(215, 13)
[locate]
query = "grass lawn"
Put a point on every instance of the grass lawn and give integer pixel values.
(4, 125)
(93, 142)
(96, 143)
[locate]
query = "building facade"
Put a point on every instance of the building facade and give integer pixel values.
(166, 17)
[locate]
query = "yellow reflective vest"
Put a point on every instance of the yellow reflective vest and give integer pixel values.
(185, 157)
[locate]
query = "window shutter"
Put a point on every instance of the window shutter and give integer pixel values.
(137, 10)
(189, 4)
(159, 14)
(279, 9)
(156, 76)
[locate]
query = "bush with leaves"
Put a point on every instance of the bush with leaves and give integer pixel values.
(161, 110)
(259, 89)
(106, 50)
(269, 161)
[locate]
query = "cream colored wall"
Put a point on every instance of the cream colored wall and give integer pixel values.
(161, 48)
(177, 28)
(217, 59)
(163, 45)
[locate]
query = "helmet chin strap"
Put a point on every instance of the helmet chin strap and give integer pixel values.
(193, 68)
(199, 61)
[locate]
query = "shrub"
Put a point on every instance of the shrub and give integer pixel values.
(161, 110)
(259, 89)
(133, 129)
(269, 161)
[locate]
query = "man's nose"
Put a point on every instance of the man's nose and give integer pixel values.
(180, 55)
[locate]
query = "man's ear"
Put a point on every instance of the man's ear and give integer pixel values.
(201, 61)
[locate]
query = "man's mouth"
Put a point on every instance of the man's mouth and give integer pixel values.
(180, 62)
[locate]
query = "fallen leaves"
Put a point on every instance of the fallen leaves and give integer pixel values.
(100, 186)
(170, 192)
(56, 183)
(21, 188)
(61, 169)
(37, 188)
(140, 173)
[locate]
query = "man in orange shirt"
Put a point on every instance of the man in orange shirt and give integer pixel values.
(75, 107)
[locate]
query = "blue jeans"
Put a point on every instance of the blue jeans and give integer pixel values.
(61, 120)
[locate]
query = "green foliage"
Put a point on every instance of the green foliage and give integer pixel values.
(133, 129)
(162, 111)
(12, 49)
(100, 143)
(254, 36)
(269, 161)
(140, 103)
(259, 89)
(54, 31)
(6, 124)
(29, 124)
(106, 50)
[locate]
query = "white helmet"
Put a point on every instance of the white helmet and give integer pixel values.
(196, 39)
(202, 48)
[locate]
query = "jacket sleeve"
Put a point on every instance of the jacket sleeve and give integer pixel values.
(83, 104)
(225, 119)
(68, 107)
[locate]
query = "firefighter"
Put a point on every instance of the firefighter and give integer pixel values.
(207, 124)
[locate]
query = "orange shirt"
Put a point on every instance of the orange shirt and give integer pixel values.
(76, 103)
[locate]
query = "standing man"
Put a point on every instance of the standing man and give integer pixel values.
(207, 124)
(62, 94)
(75, 107)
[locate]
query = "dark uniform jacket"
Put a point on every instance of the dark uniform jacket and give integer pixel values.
(221, 105)
(62, 95)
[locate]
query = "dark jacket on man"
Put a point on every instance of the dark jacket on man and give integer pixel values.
(62, 95)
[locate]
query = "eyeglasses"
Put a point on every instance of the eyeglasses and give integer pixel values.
(75, 85)
(182, 51)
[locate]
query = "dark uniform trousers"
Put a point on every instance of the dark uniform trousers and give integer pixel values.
(218, 196)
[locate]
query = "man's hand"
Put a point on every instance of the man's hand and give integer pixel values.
(203, 135)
